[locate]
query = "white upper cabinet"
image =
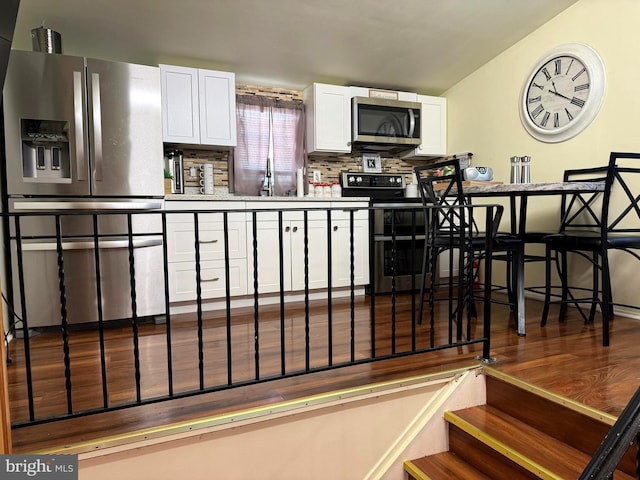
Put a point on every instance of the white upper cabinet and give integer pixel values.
(198, 106)
(433, 128)
(217, 108)
(180, 119)
(328, 111)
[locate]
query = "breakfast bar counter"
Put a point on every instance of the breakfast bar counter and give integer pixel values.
(518, 216)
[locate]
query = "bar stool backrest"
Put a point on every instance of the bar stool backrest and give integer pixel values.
(582, 211)
(621, 209)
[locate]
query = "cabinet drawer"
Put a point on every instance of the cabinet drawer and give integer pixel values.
(203, 216)
(181, 241)
(343, 212)
(182, 279)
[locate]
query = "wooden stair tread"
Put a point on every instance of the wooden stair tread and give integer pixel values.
(578, 426)
(538, 447)
(446, 465)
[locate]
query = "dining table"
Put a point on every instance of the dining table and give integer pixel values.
(518, 195)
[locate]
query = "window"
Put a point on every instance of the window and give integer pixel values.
(269, 131)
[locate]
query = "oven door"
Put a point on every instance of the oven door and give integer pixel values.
(398, 246)
(398, 265)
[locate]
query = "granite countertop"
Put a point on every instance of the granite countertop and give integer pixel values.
(534, 187)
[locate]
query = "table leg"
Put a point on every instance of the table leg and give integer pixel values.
(518, 275)
(519, 266)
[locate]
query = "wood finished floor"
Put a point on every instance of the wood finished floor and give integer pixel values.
(565, 358)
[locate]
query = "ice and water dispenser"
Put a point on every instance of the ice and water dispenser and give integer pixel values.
(45, 151)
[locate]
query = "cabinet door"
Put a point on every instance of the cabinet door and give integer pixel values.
(328, 110)
(217, 108)
(269, 255)
(180, 117)
(317, 254)
(434, 126)
(341, 252)
(292, 255)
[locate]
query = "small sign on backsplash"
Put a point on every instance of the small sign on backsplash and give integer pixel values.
(371, 163)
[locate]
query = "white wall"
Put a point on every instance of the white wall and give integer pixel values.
(483, 110)
(367, 436)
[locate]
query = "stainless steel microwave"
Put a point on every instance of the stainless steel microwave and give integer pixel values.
(379, 122)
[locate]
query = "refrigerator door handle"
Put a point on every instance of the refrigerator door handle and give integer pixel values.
(89, 245)
(97, 125)
(47, 206)
(78, 118)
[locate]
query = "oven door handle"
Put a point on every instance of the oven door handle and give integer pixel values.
(386, 238)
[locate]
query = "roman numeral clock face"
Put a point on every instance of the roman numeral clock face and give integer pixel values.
(563, 93)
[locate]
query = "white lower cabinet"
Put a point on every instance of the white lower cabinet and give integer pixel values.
(270, 255)
(291, 252)
(271, 252)
(212, 247)
(299, 262)
(341, 252)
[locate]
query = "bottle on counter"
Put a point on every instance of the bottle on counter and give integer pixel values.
(526, 169)
(326, 190)
(336, 190)
(515, 170)
(318, 190)
(311, 191)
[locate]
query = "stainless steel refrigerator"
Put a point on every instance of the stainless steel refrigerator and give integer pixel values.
(84, 135)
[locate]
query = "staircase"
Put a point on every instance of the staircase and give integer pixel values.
(521, 432)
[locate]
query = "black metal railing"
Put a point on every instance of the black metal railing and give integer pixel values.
(624, 433)
(229, 339)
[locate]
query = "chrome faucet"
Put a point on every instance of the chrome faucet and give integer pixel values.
(267, 184)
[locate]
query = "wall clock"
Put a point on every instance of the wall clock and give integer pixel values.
(563, 93)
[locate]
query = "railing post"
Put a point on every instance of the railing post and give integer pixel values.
(5, 419)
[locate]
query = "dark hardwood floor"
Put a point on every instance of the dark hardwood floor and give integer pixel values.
(565, 358)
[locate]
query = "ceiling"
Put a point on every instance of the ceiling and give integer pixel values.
(424, 46)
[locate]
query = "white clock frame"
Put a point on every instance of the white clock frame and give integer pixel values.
(597, 86)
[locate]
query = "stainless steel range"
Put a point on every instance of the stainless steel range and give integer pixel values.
(398, 227)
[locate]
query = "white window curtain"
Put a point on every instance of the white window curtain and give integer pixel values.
(251, 155)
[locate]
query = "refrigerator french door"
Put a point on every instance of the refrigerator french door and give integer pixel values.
(82, 127)
(84, 135)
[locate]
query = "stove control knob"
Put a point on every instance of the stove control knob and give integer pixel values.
(359, 179)
(351, 180)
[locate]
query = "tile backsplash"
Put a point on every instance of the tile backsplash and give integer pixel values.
(330, 166)
(195, 158)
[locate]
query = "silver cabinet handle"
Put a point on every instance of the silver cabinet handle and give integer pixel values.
(214, 279)
(97, 125)
(78, 119)
(215, 240)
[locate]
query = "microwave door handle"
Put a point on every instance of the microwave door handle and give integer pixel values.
(412, 123)
(78, 118)
(97, 125)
